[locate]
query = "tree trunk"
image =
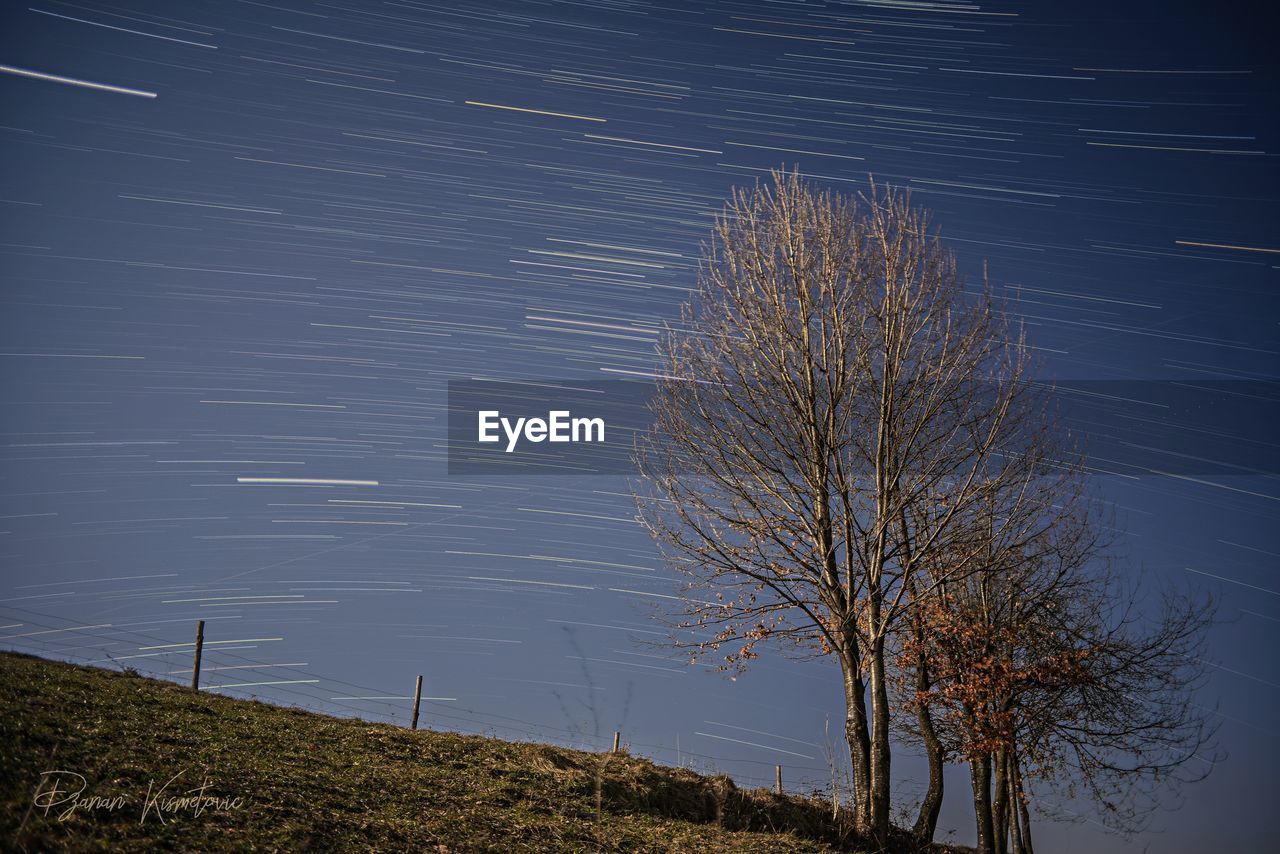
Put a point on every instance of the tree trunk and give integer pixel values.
(1000, 804)
(980, 776)
(1015, 817)
(858, 738)
(1020, 801)
(927, 820)
(880, 756)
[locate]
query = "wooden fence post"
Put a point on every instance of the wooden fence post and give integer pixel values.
(195, 667)
(778, 770)
(417, 701)
(617, 737)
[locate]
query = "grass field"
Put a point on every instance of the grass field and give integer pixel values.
(162, 767)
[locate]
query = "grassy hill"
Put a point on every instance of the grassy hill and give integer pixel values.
(309, 781)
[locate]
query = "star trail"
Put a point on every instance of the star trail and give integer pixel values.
(248, 245)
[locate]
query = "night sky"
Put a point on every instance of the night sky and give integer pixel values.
(247, 241)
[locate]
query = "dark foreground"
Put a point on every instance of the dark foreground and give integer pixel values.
(158, 766)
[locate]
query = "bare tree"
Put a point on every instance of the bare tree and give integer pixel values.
(837, 404)
(1124, 732)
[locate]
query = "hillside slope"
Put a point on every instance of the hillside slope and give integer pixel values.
(285, 779)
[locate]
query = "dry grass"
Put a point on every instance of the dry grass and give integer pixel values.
(315, 782)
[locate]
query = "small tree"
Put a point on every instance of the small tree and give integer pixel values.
(1044, 668)
(836, 407)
